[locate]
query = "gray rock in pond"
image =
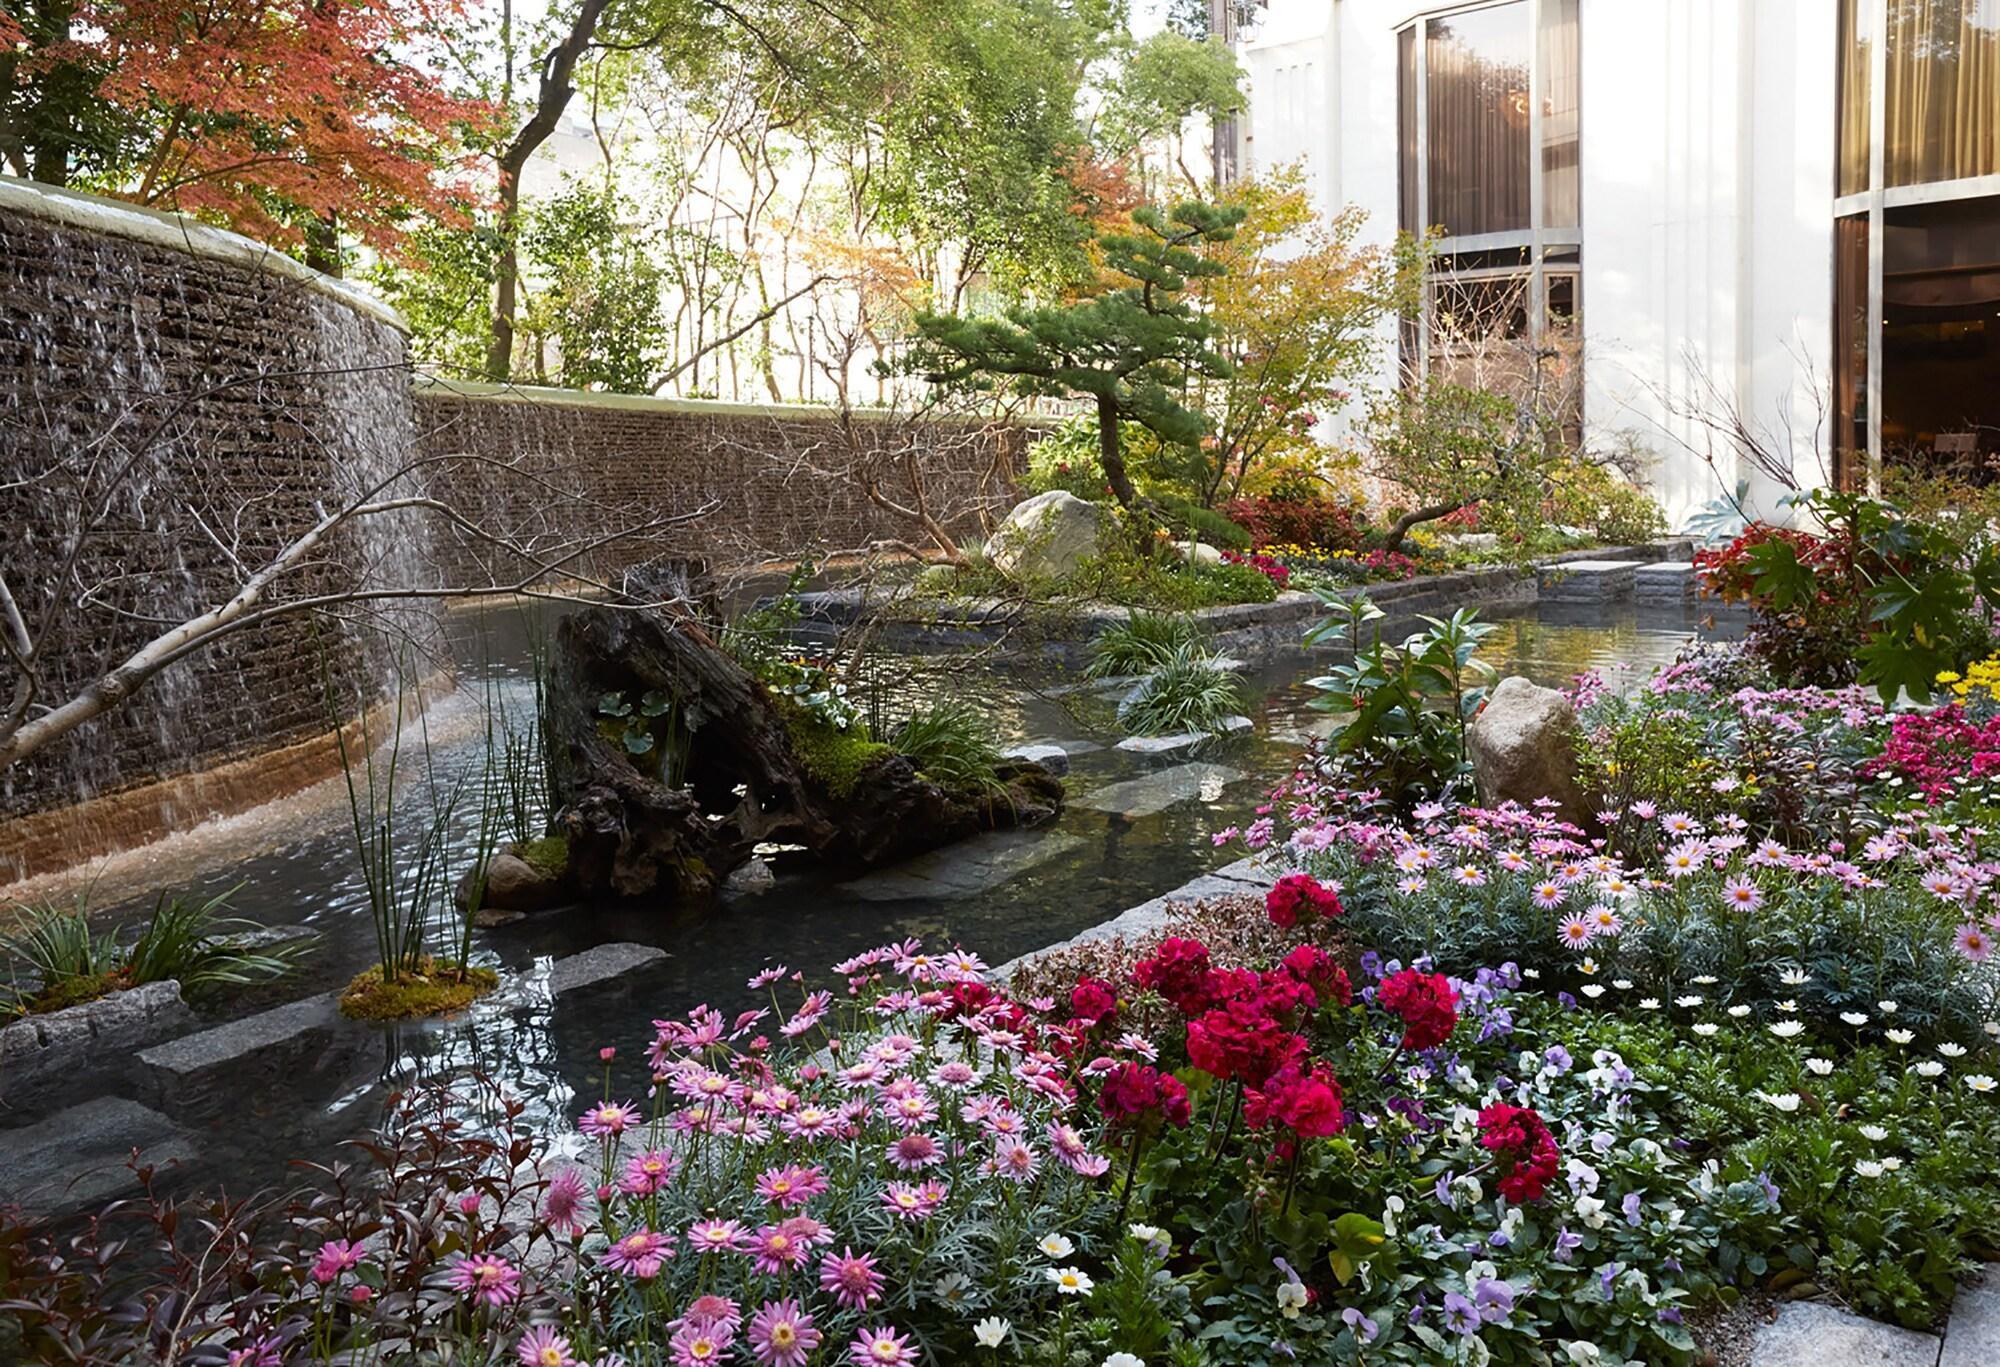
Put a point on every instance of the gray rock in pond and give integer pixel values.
(91, 1035)
(1045, 537)
(600, 965)
(1523, 748)
(513, 884)
(1053, 758)
(754, 879)
(1183, 741)
(1807, 1334)
(1155, 793)
(270, 1040)
(1972, 1334)
(80, 1156)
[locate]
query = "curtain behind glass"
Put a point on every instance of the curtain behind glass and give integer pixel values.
(1477, 89)
(1559, 76)
(1943, 99)
(1856, 40)
(1406, 128)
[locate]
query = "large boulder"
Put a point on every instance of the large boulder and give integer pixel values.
(1523, 748)
(1045, 537)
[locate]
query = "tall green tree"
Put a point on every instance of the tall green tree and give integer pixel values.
(1131, 348)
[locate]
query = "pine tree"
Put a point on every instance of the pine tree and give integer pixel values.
(1131, 347)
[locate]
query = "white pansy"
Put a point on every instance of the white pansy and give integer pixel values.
(1591, 1211)
(991, 1332)
(1291, 1299)
(1581, 1353)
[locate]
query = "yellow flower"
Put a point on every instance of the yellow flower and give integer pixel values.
(1946, 676)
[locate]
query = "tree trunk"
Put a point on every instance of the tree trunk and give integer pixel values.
(323, 245)
(1110, 454)
(739, 779)
(1394, 540)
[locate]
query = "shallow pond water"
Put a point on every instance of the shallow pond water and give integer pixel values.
(295, 864)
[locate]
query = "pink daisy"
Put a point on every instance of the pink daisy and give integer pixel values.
(1549, 895)
(562, 1204)
(1741, 894)
(487, 1279)
(782, 1334)
(648, 1172)
(1974, 943)
(1015, 1161)
(851, 1279)
(809, 1122)
(542, 1346)
(638, 1254)
(791, 1185)
(777, 1249)
(609, 1119)
(914, 1153)
(956, 1075)
(335, 1257)
(697, 1344)
(716, 1236)
(881, 1348)
(809, 1014)
(1576, 931)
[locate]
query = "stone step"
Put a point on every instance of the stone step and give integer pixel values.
(965, 869)
(82, 1156)
(89, 1036)
(1667, 582)
(1972, 1335)
(1181, 742)
(1154, 793)
(1053, 758)
(1808, 1334)
(1587, 581)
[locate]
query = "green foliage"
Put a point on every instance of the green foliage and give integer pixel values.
(187, 941)
(1191, 521)
(1451, 447)
(1585, 494)
(953, 742)
(426, 988)
(1167, 80)
(1143, 642)
(833, 756)
(1185, 692)
(599, 299)
(548, 855)
(442, 284)
(1409, 704)
(1130, 347)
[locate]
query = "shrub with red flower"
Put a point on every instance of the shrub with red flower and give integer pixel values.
(1239, 1041)
(1520, 1142)
(1316, 969)
(1426, 1002)
(1094, 1002)
(1276, 571)
(1940, 749)
(1304, 1097)
(1179, 971)
(1300, 897)
(1281, 520)
(1139, 1096)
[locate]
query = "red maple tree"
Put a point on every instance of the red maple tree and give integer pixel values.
(271, 114)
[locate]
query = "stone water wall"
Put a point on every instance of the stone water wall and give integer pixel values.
(779, 477)
(176, 405)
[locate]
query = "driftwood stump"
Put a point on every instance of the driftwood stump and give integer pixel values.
(742, 782)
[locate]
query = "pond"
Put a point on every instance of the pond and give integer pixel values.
(1134, 828)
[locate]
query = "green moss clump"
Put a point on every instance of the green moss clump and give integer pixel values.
(834, 757)
(74, 991)
(433, 990)
(549, 855)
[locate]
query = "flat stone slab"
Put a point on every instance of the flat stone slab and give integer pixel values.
(242, 1042)
(965, 869)
(600, 964)
(90, 1034)
(1670, 581)
(1807, 1334)
(1972, 1335)
(1154, 793)
(1587, 580)
(1183, 741)
(1053, 758)
(1245, 876)
(79, 1156)
(1072, 748)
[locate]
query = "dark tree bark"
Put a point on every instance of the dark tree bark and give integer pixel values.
(630, 834)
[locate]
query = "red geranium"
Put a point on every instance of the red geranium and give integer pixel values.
(1520, 1140)
(1306, 1098)
(1240, 1041)
(1317, 970)
(1300, 896)
(1427, 1004)
(1142, 1096)
(1179, 971)
(1093, 1001)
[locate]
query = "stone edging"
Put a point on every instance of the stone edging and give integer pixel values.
(155, 227)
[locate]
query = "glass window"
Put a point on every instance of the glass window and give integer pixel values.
(1856, 40)
(1406, 128)
(1943, 97)
(1850, 349)
(1941, 334)
(1557, 89)
(1476, 81)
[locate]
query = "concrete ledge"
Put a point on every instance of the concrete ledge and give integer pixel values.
(431, 386)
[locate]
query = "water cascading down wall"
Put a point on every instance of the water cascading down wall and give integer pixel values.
(178, 404)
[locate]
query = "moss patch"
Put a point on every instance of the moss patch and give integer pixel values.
(433, 990)
(66, 992)
(549, 855)
(835, 758)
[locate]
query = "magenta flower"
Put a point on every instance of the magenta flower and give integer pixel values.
(777, 1249)
(335, 1257)
(1974, 943)
(649, 1172)
(716, 1236)
(1015, 1161)
(808, 1015)
(881, 1348)
(914, 1153)
(782, 1334)
(698, 1343)
(487, 1279)
(562, 1205)
(851, 1279)
(718, 1312)
(911, 1111)
(912, 1202)
(609, 1119)
(261, 1352)
(542, 1346)
(638, 1254)
(790, 1186)
(1740, 894)
(810, 1122)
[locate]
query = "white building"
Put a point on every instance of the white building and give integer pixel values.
(1743, 204)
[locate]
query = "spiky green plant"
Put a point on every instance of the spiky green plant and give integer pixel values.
(1142, 643)
(953, 742)
(1189, 692)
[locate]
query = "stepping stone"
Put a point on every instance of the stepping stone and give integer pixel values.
(1587, 581)
(1807, 1334)
(1183, 741)
(1053, 758)
(1669, 582)
(1155, 793)
(965, 869)
(289, 1033)
(78, 1156)
(600, 964)
(1072, 748)
(1972, 1335)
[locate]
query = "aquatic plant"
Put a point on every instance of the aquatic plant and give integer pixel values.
(1186, 692)
(1143, 642)
(953, 742)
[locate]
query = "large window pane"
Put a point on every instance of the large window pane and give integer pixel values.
(1850, 350)
(1477, 95)
(1941, 335)
(1856, 40)
(1558, 79)
(1406, 128)
(1943, 96)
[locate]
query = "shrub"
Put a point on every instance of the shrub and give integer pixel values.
(1585, 494)
(953, 742)
(1142, 642)
(1186, 692)
(1279, 573)
(1309, 521)
(1191, 521)
(834, 756)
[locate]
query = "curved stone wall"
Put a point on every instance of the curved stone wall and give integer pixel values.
(176, 404)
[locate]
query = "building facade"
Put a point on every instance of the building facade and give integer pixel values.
(1757, 225)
